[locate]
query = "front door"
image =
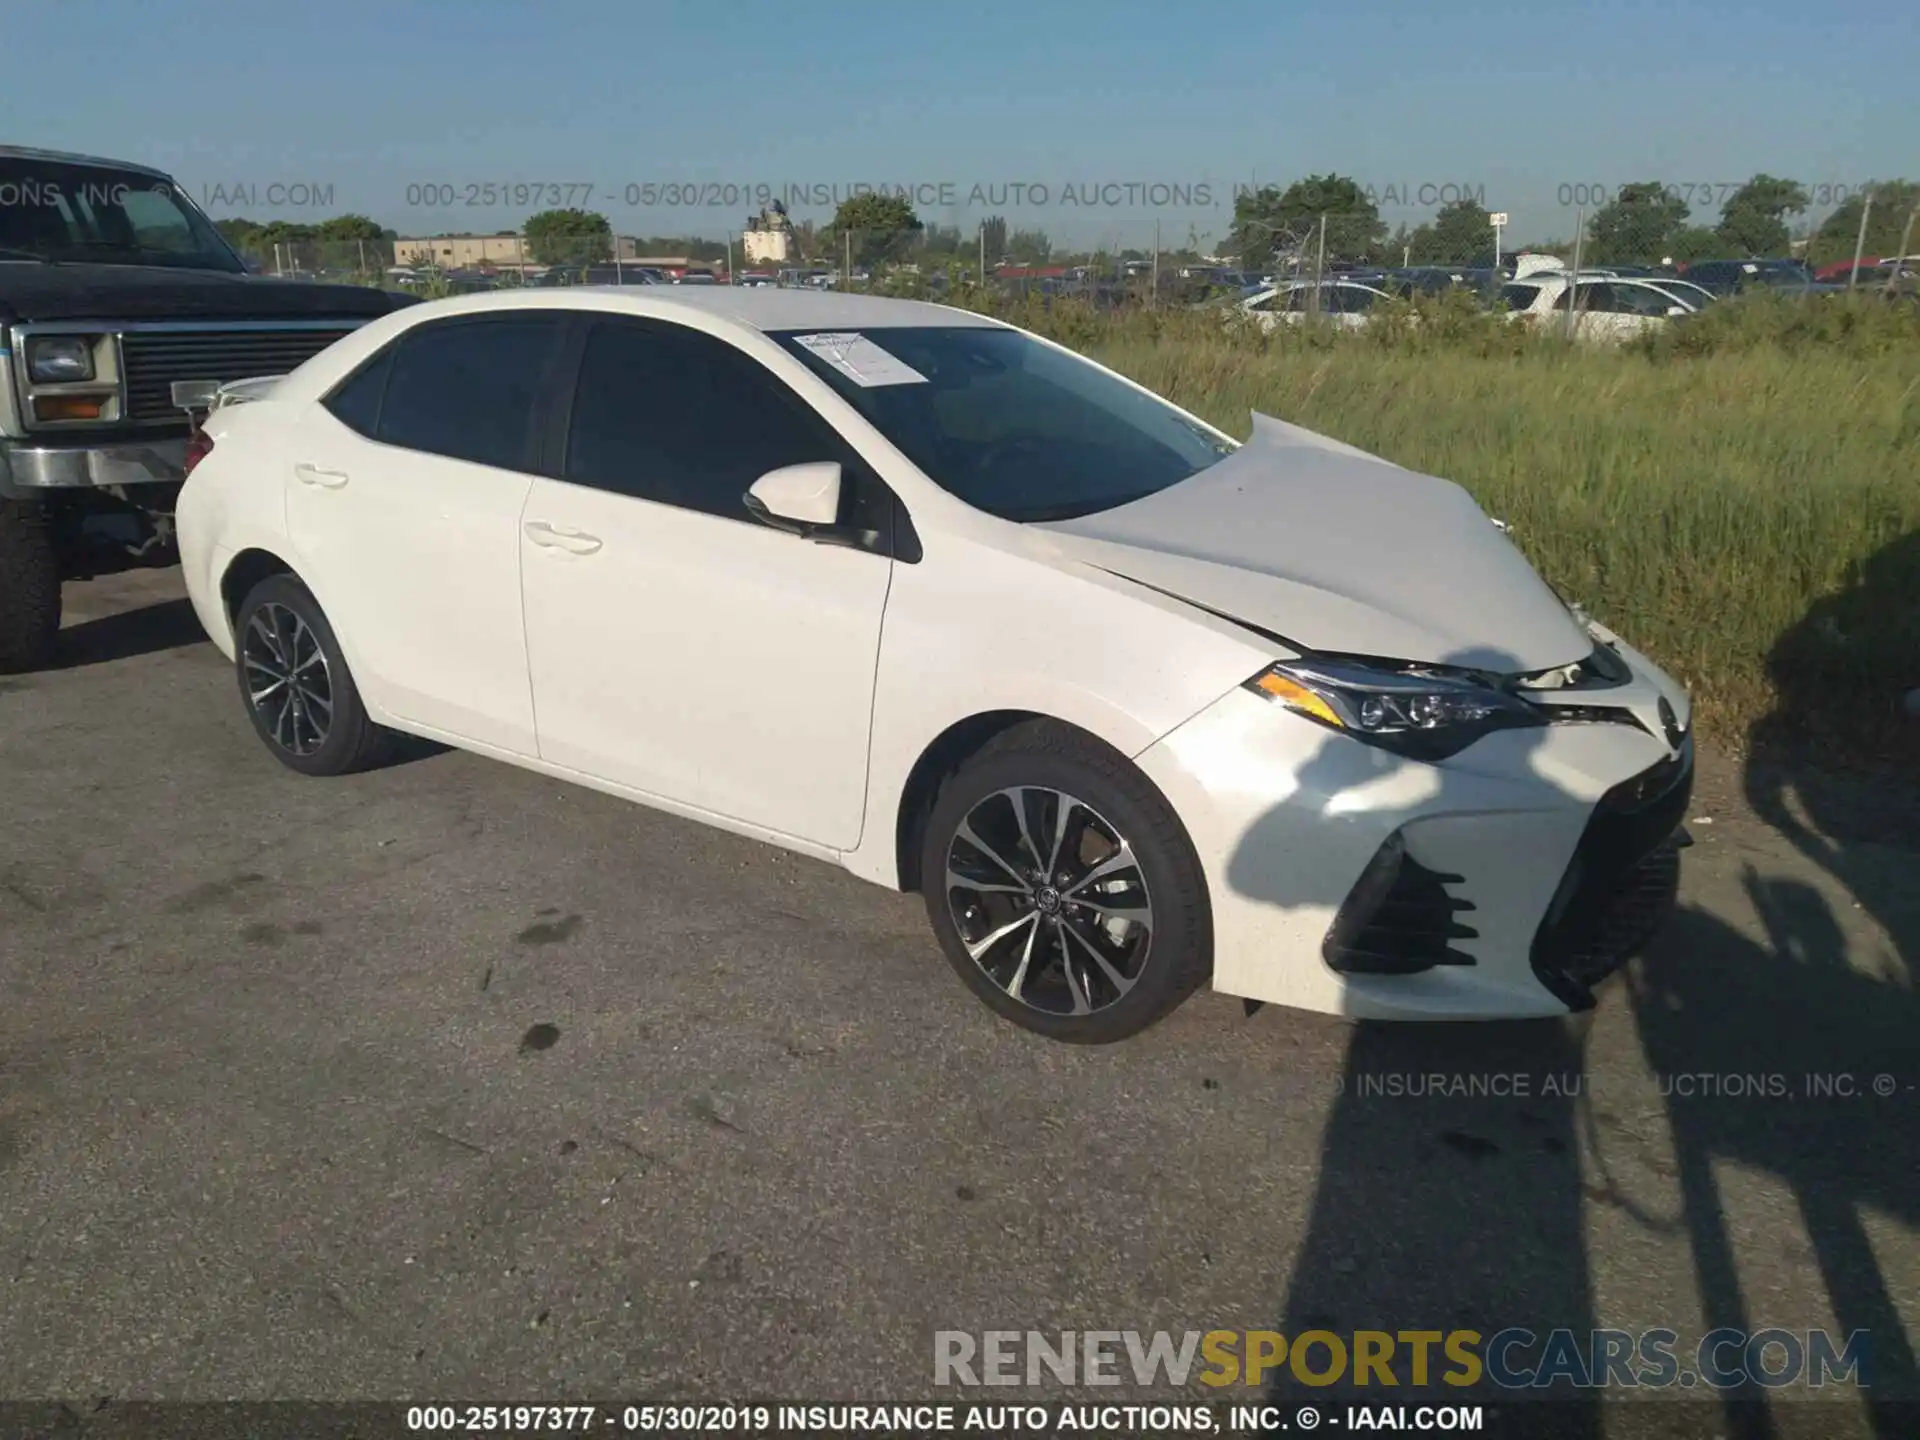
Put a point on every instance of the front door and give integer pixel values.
(677, 646)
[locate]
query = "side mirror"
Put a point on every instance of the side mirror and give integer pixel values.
(797, 498)
(1674, 312)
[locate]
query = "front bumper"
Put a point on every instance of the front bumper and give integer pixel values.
(27, 469)
(1503, 883)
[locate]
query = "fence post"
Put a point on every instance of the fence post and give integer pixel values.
(1899, 266)
(1860, 240)
(1573, 280)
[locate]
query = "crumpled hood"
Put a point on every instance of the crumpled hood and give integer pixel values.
(1338, 551)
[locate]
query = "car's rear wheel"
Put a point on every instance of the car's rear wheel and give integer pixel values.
(1063, 888)
(295, 683)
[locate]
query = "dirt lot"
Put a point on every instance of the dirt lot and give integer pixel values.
(449, 1080)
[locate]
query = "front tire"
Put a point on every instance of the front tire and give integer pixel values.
(1063, 889)
(29, 588)
(295, 683)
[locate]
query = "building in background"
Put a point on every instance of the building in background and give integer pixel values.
(768, 238)
(474, 252)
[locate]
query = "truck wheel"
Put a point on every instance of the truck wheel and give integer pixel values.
(29, 587)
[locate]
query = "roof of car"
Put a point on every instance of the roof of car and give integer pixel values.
(65, 157)
(753, 305)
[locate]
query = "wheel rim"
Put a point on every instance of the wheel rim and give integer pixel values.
(1049, 900)
(289, 684)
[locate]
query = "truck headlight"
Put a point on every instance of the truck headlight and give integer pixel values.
(60, 359)
(1422, 712)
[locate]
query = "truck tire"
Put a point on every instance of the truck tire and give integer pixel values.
(29, 588)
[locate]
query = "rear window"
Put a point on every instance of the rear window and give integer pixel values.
(1519, 297)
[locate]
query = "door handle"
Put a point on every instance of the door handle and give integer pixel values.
(314, 475)
(572, 541)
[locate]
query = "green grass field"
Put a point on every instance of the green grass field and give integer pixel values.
(1742, 502)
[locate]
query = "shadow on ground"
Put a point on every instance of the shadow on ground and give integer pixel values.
(1447, 1212)
(167, 625)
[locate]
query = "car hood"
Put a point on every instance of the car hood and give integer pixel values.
(156, 292)
(1328, 548)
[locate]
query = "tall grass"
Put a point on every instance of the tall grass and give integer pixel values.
(1742, 501)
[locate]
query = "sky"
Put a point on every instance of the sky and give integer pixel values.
(1117, 120)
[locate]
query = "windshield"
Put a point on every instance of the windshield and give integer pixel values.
(1010, 425)
(59, 212)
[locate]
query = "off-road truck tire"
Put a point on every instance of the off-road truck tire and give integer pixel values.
(29, 587)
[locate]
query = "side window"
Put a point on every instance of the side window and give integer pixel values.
(466, 389)
(355, 401)
(663, 412)
(1299, 299)
(1641, 300)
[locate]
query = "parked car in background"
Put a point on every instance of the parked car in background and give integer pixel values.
(1606, 307)
(1731, 277)
(790, 501)
(1344, 302)
(115, 292)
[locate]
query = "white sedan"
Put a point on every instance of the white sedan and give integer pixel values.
(1344, 303)
(1136, 708)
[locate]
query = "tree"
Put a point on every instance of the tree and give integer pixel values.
(1754, 219)
(1637, 227)
(993, 237)
(1029, 247)
(880, 227)
(237, 232)
(569, 237)
(1893, 202)
(348, 227)
(1692, 242)
(1269, 220)
(1458, 234)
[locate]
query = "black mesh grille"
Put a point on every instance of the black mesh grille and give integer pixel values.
(154, 359)
(1399, 919)
(1621, 884)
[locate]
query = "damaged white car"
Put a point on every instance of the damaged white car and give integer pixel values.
(1135, 707)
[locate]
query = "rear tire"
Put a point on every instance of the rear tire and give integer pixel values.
(1063, 889)
(29, 588)
(295, 684)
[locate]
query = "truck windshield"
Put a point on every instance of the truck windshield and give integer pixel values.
(64, 213)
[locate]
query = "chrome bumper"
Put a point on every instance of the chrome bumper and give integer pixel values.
(29, 468)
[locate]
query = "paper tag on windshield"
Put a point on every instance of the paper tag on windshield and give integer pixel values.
(859, 359)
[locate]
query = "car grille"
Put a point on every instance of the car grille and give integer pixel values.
(1621, 884)
(1399, 919)
(154, 359)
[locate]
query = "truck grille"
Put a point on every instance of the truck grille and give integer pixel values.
(154, 359)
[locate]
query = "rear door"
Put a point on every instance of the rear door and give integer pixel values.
(404, 511)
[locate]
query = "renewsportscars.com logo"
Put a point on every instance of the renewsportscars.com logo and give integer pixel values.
(1512, 1359)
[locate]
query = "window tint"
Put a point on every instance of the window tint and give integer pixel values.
(467, 388)
(1520, 297)
(355, 402)
(666, 413)
(1641, 300)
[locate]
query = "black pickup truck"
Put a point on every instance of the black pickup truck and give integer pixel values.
(119, 301)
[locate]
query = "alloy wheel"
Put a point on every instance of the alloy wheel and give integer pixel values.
(289, 683)
(1049, 900)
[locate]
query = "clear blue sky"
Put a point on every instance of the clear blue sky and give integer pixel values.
(1524, 100)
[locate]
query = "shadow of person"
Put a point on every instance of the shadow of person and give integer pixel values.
(1780, 1056)
(1449, 1194)
(1829, 1027)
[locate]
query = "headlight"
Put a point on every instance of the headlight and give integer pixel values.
(1423, 712)
(59, 359)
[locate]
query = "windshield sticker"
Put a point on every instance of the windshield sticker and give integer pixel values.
(859, 359)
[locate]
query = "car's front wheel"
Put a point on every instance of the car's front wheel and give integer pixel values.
(1064, 889)
(295, 683)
